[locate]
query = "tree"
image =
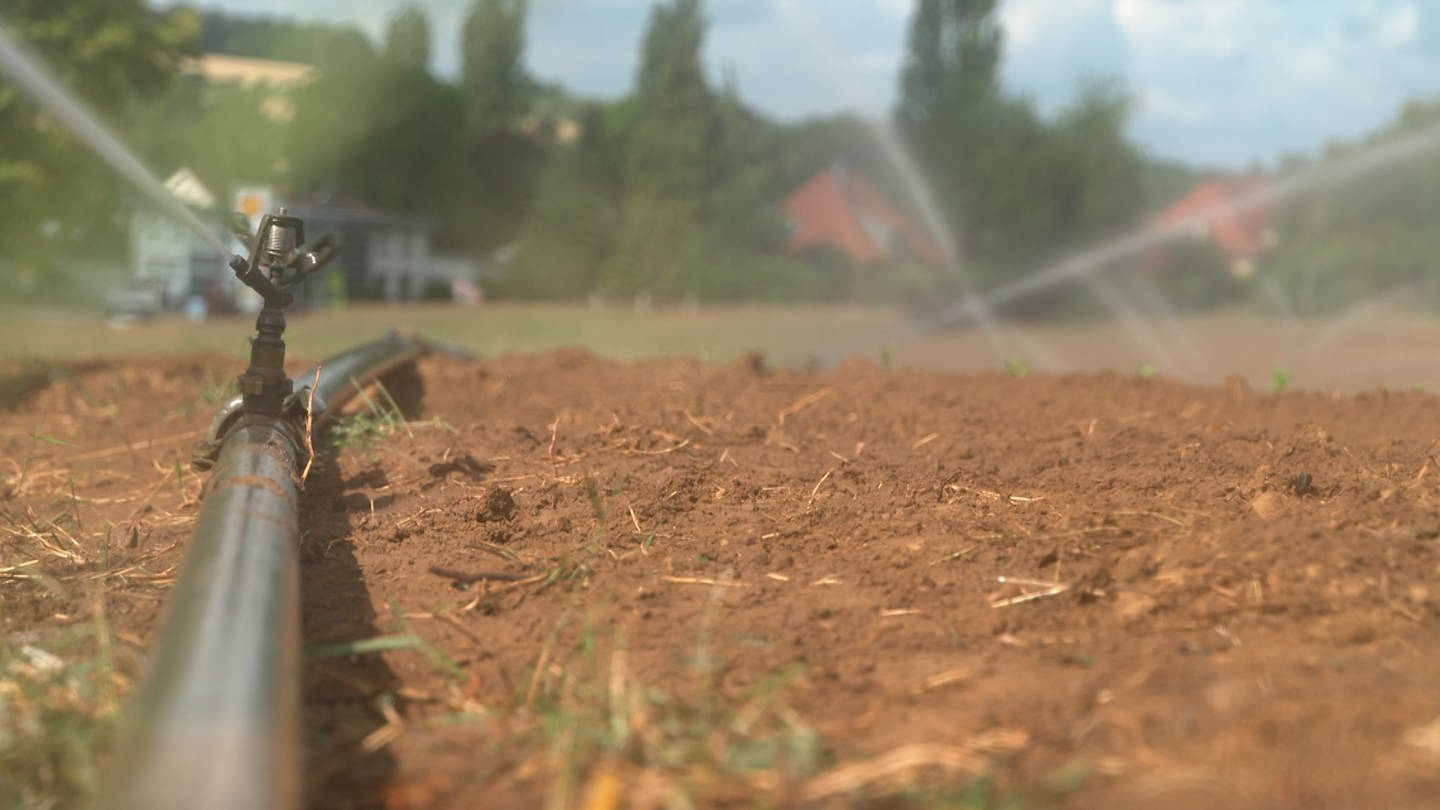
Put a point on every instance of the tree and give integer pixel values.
(604, 135)
(666, 172)
(503, 161)
(1018, 189)
(954, 50)
(567, 236)
(108, 52)
(492, 81)
(1044, 188)
(397, 144)
(1104, 175)
(951, 111)
(407, 38)
(226, 133)
(327, 46)
(1368, 238)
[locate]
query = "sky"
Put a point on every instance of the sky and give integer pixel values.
(1224, 83)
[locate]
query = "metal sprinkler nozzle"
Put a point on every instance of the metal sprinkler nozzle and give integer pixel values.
(279, 260)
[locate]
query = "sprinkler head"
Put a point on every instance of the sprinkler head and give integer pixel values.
(279, 235)
(279, 259)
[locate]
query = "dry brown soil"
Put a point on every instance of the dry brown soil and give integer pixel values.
(731, 586)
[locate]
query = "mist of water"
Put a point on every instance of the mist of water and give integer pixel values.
(1136, 327)
(1086, 264)
(1366, 310)
(28, 72)
(1192, 352)
(1135, 314)
(908, 172)
(1145, 317)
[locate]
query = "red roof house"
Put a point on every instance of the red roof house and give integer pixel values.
(1228, 212)
(841, 209)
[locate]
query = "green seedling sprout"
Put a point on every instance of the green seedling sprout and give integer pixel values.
(1279, 380)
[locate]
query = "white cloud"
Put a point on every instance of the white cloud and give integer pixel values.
(1212, 29)
(1166, 107)
(1053, 46)
(899, 9)
(1399, 26)
(1027, 22)
(1231, 81)
(843, 56)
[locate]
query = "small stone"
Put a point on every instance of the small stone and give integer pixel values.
(1302, 484)
(1266, 505)
(1132, 605)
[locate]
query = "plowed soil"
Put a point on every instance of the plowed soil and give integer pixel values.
(666, 584)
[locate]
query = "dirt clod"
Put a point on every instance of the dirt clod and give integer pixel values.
(499, 505)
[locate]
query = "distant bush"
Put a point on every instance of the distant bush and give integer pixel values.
(759, 277)
(1196, 275)
(915, 287)
(1326, 272)
(370, 288)
(565, 242)
(436, 290)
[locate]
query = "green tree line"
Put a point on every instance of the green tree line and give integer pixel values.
(56, 199)
(672, 190)
(1373, 236)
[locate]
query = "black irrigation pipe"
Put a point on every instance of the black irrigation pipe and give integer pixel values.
(217, 722)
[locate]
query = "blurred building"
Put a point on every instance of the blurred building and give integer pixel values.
(383, 255)
(842, 210)
(1226, 212)
(277, 79)
(224, 68)
(554, 130)
(167, 261)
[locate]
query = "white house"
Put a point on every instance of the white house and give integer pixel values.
(382, 254)
(165, 255)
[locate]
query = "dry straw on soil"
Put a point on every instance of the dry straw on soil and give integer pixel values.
(558, 580)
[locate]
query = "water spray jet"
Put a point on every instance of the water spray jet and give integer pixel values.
(1086, 264)
(29, 73)
(915, 185)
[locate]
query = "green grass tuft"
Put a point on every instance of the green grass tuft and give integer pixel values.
(1279, 380)
(57, 716)
(369, 425)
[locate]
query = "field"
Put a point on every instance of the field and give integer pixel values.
(789, 335)
(1368, 347)
(565, 580)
